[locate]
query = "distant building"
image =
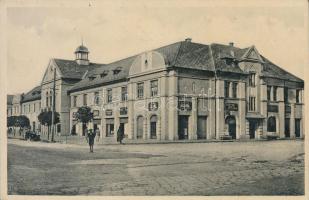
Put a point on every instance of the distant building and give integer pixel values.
(184, 90)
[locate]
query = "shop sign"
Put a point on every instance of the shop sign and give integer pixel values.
(272, 108)
(231, 107)
(153, 106)
(123, 111)
(109, 112)
(185, 105)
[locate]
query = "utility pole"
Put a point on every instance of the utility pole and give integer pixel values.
(54, 105)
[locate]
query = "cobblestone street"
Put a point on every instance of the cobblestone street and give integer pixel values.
(228, 168)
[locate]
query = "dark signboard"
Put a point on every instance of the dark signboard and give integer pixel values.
(153, 106)
(108, 112)
(231, 107)
(272, 108)
(123, 111)
(185, 105)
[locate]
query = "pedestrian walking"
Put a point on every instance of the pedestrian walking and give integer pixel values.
(120, 134)
(97, 132)
(91, 135)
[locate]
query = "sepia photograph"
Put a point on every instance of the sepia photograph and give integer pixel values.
(153, 98)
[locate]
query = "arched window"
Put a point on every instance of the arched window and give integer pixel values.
(271, 124)
(153, 127)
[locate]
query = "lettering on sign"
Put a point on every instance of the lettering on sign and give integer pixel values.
(123, 110)
(185, 105)
(153, 106)
(108, 112)
(231, 107)
(272, 108)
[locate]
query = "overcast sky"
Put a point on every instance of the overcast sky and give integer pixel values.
(36, 34)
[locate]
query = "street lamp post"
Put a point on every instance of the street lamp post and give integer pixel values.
(54, 105)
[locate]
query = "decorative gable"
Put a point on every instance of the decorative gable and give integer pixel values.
(49, 73)
(252, 54)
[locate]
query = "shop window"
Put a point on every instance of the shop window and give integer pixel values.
(153, 127)
(271, 124)
(109, 130)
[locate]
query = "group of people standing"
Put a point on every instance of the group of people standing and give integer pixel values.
(90, 136)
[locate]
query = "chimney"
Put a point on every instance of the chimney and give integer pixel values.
(231, 44)
(188, 39)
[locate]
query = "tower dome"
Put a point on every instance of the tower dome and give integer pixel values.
(81, 55)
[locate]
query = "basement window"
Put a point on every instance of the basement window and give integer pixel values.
(103, 74)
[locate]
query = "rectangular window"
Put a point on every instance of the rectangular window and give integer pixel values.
(275, 93)
(85, 99)
(154, 88)
(40, 106)
(47, 101)
(34, 107)
(96, 98)
(140, 90)
(29, 108)
(58, 128)
(226, 89)
(251, 103)
(109, 95)
(124, 93)
(298, 96)
(268, 92)
(286, 94)
(74, 101)
(234, 88)
(252, 79)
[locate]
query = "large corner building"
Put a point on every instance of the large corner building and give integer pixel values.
(184, 90)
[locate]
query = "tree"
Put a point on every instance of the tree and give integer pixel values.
(11, 123)
(22, 122)
(45, 118)
(84, 115)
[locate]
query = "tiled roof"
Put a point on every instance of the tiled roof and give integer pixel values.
(9, 99)
(70, 69)
(182, 55)
(32, 95)
(273, 71)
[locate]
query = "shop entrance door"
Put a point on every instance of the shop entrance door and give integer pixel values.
(201, 127)
(183, 127)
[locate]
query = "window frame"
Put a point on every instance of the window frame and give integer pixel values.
(140, 90)
(124, 93)
(252, 79)
(154, 93)
(234, 89)
(109, 95)
(227, 89)
(85, 96)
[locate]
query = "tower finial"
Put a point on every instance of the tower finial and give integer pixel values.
(82, 41)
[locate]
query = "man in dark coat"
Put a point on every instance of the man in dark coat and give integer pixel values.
(91, 135)
(120, 134)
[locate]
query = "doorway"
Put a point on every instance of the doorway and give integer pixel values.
(231, 122)
(287, 127)
(297, 128)
(153, 127)
(140, 127)
(201, 127)
(33, 126)
(252, 129)
(183, 127)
